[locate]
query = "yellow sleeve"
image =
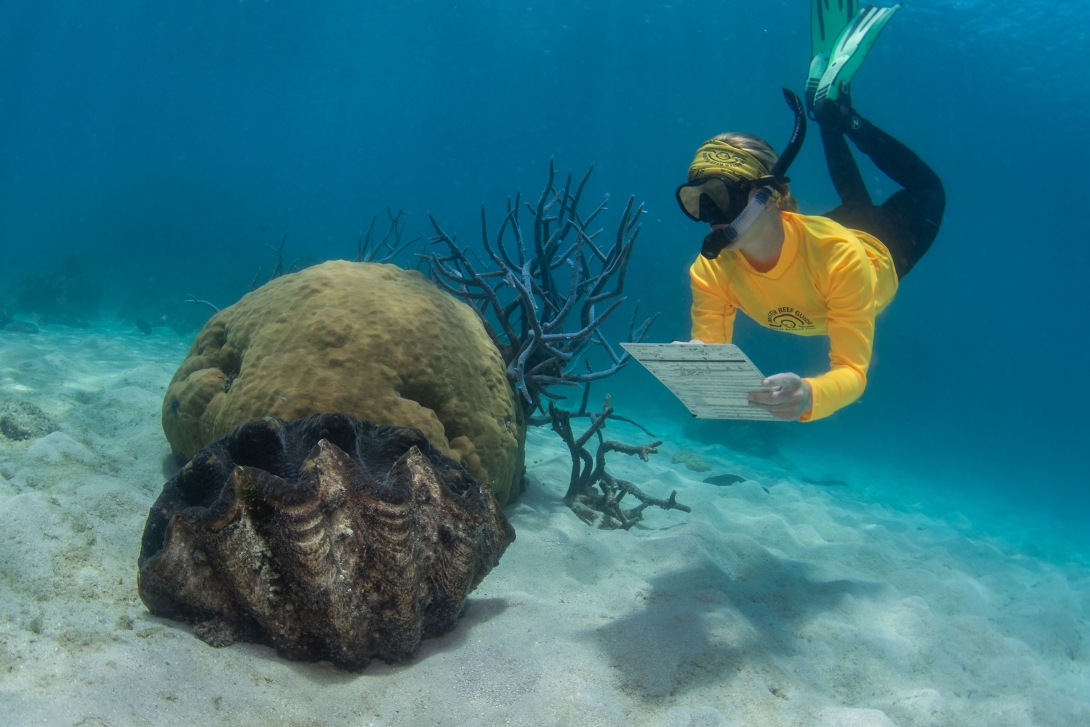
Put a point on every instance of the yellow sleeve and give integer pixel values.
(712, 313)
(850, 320)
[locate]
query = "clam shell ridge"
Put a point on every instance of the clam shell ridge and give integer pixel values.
(327, 537)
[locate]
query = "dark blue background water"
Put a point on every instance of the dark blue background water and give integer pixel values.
(168, 143)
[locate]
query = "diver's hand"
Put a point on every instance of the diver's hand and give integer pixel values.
(790, 397)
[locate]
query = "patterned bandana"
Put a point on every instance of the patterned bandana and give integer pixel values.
(720, 158)
(717, 158)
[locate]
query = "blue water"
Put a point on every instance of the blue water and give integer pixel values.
(164, 145)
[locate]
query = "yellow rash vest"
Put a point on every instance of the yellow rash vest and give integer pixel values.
(829, 280)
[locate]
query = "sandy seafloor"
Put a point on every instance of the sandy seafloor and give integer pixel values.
(801, 605)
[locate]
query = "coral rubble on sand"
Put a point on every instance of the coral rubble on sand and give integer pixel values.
(20, 420)
(328, 537)
(692, 461)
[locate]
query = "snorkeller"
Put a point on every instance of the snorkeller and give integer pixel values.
(730, 188)
(810, 275)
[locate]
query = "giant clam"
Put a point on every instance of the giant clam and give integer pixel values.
(327, 537)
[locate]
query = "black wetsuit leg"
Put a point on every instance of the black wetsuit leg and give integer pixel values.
(906, 223)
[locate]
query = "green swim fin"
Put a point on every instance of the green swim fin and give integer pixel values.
(828, 18)
(851, 50)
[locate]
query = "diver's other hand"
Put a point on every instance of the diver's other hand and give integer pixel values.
(790, 396)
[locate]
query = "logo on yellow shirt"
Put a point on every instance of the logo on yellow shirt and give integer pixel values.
(787, 318)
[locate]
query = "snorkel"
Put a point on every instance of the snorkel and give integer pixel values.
(721, 238)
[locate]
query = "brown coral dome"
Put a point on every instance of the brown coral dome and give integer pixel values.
(328, 538)
(374, 341)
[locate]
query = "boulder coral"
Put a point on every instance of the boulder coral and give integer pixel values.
(370, 340)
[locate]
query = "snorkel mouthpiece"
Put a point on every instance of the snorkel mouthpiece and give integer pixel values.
(719, 239)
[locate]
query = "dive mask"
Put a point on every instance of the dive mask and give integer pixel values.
(721, 201)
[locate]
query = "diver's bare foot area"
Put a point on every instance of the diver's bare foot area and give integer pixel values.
(775, 602)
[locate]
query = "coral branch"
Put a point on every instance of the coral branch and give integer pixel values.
(193, 299)
(279, 257)
(368, 250)
(525, 307)
(604, 508)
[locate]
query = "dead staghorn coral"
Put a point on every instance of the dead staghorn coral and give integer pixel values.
(604, 508)
(327, 537)
(373, 250)
(526, 296)
(369, 249)
(530, 285)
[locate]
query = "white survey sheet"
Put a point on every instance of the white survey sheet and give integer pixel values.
(712, 380)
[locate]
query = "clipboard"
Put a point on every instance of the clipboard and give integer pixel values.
(712, 380)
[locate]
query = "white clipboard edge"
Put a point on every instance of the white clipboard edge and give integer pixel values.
(713, 381)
